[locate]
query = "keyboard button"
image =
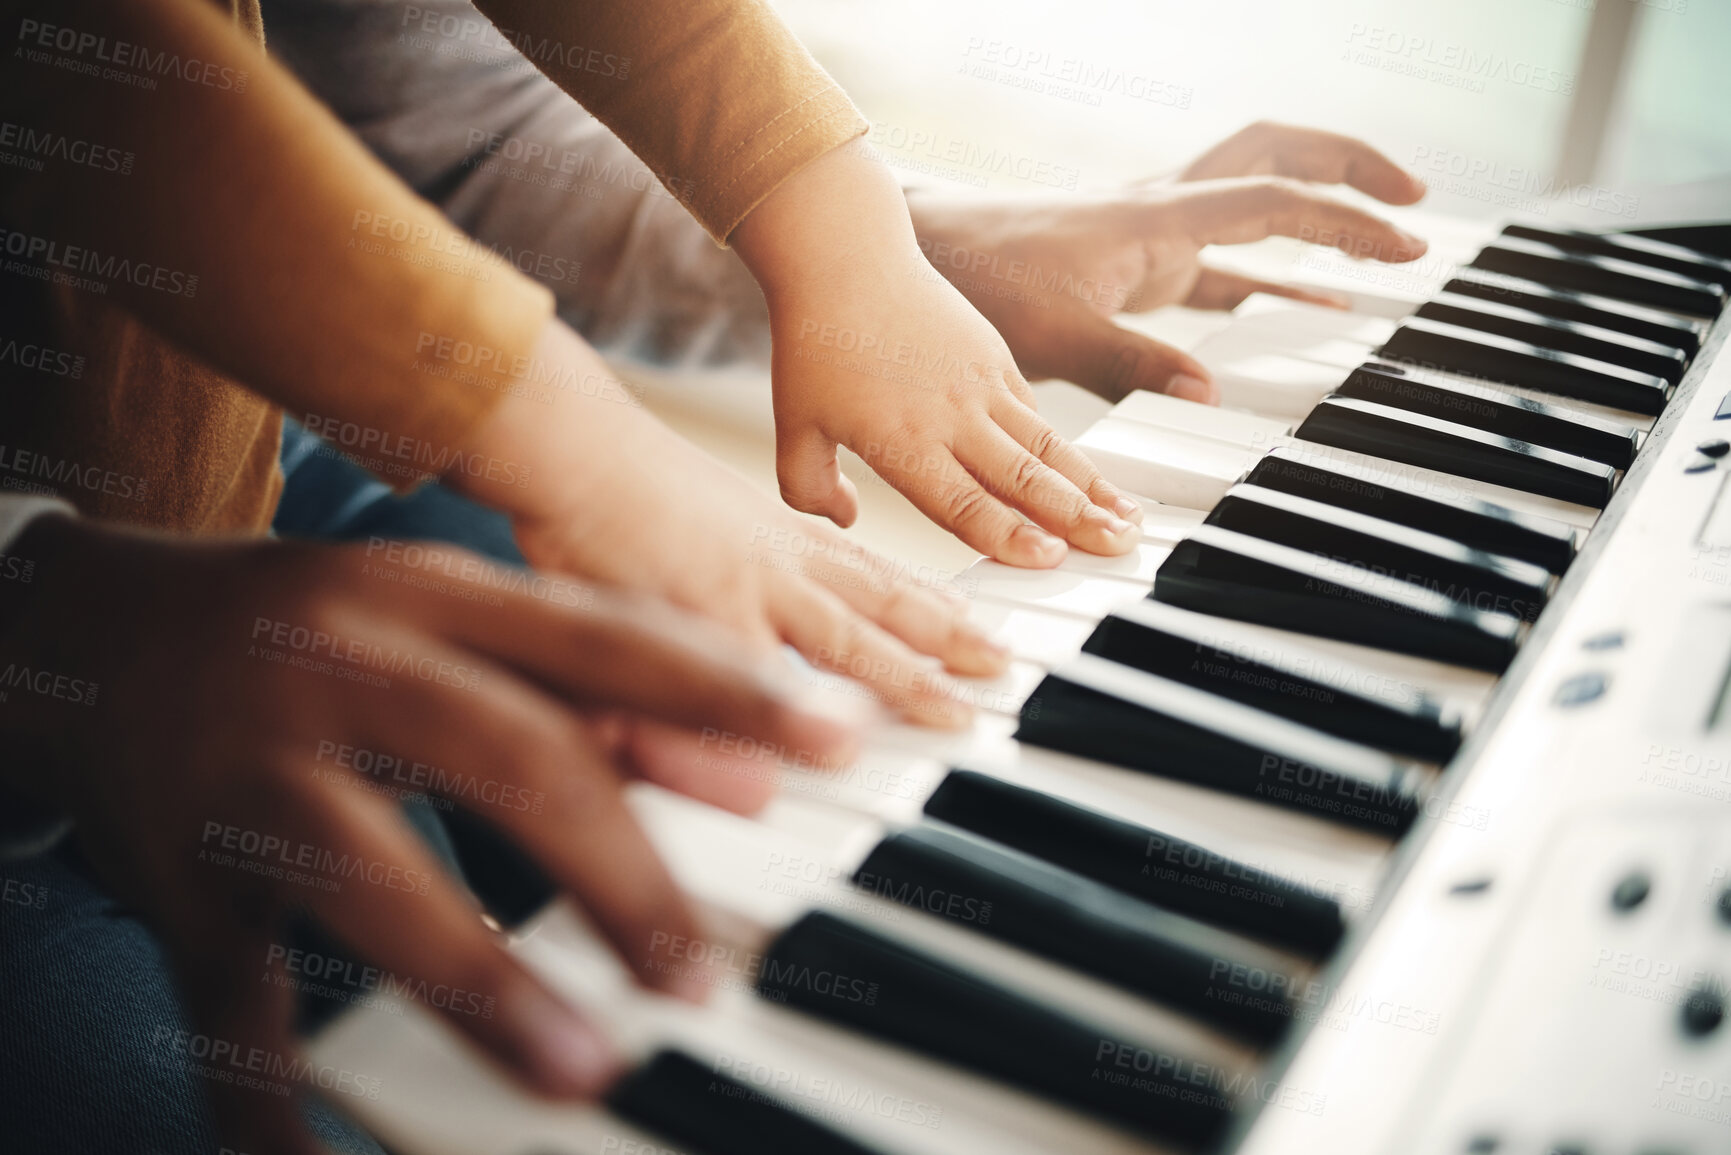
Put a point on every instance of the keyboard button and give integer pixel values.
(1602, 276)
(1234, 575)
(1496, 411)
(1630, 247)
(1139, 861)
(694, 1105)
(1655, 325)
(1099, 709)
(1480, 525)
(1355, 703)
(1438, 345)
(853, 976)
(1021, 900)
(1607, 345)
(1423, 559)
(1419, 439)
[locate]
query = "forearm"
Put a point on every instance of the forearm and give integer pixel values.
(716, 96)
(276, 249)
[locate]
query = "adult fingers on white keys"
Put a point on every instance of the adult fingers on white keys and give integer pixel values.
(1112, 361)
(1245, 209)
(527, 763)
(1308, 154)
(396, 907)
(616, 651)
(832, 636)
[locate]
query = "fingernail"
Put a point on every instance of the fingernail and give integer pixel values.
(1043, 548)
(1128, 509)
(1189, 388)
(1417, 245)
(1118, 527)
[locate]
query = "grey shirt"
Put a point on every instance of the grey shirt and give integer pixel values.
(470, 124)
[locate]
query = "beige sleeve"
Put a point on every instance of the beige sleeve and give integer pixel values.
(251, 228)
(715, 96)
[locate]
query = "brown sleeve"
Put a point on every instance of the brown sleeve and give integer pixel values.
(716, 96)
(249, 227)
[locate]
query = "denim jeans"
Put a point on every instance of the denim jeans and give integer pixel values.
(89, 1061)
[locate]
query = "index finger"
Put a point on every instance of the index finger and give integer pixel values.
(603, 649)
(1308, 154)
(1243, 210)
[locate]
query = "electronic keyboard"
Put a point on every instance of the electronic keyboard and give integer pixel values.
(1378, 801)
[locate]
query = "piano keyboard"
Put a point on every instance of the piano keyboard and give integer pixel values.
(1307, 825)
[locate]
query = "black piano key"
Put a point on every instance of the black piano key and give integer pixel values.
(1044, 909)
(1479, 524)
(1655, 325)
(709, 1111)
(1351, 702)
(1234, 575)
(1602, 276)
(1141, 862)
(1483, 580)
(1431, 442)
(1496, 411)
(1438, 345)
(1099, 709)
(1632, 247)
(852, 976)
(1607, 345)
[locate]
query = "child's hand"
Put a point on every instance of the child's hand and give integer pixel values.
(609, 493)
(875, 351)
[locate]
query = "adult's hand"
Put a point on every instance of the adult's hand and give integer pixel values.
(1051, 271)
(188, 706)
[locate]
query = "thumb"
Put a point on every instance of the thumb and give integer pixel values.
(1106, 358)
(811, 480)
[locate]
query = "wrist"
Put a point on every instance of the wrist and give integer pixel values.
(842, 213)
(558, 446)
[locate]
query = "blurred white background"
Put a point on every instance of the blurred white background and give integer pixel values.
(1474, 94)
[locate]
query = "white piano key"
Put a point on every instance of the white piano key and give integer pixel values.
(1033, 635)
(1237, 343)
(1274, 384)
(754, 881)
(1307, 849)
(1232, 426)
(1169, 466)
(1299, 322)
(1062, 591)
(438, 1096)
(1005, 693)
(1167, 524)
